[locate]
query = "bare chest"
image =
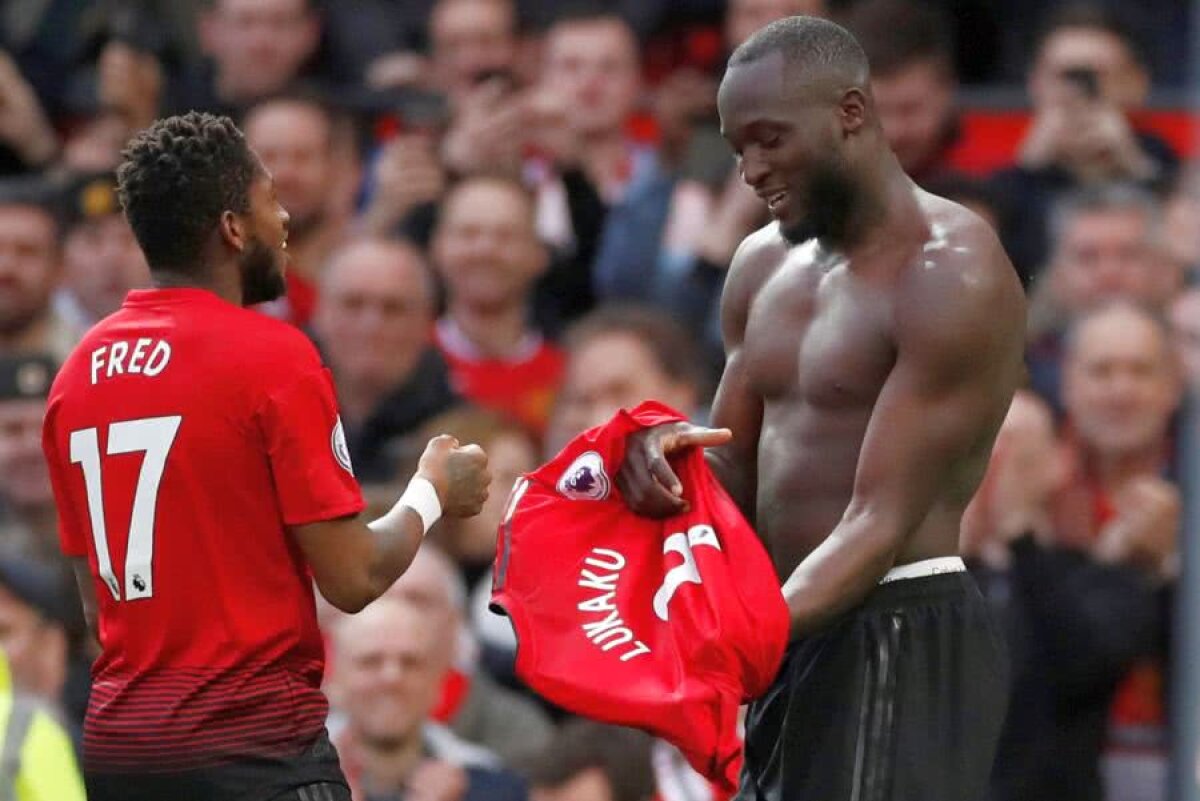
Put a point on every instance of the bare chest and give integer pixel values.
(820, 335)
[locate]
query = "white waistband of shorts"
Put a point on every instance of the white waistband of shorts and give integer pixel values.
(926, 567)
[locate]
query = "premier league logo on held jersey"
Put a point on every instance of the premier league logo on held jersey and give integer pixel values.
(585, 479)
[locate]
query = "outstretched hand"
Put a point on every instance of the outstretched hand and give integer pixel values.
(646, 480)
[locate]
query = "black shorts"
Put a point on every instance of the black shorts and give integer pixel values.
(903, 698)
(313, 775)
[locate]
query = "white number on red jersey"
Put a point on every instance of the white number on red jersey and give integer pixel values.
(153, 436)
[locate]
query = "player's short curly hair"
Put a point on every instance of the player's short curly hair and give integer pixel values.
(175, 180)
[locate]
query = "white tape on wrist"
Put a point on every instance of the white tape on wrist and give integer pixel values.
(422, 498)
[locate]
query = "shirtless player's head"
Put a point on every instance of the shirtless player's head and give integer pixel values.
(796, 107)
(203, 208)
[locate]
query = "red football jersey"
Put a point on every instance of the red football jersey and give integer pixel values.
(184, 435)
(522, 388)
(667, 625)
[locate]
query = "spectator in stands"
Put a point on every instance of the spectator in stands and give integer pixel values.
(1121, 506)
(30, 268)
(1077, 617)
(617, 357)
(373, 320)
(257, 48)
(912, 78)
(1185, 330)
(101, 257)
(590, 761)
(468, 41)
(295, 138)
(41, 630)
(1087, 75)
(390, 659)
(489, 257)
(44, 766)
(1106, 246)
(471, 702)
(28, 521)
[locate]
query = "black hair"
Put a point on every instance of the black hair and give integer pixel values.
(896, 34)
(177, 178)
(805, 42)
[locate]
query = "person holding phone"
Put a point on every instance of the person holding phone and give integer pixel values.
(1086, 78)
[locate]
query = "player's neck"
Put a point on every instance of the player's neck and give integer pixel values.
(386, 767)
(227, 287)
(884, 210)
(497, 331)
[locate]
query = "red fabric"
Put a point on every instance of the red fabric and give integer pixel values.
(224, 654)
(521, 390)
(586, 583)
(455, 686)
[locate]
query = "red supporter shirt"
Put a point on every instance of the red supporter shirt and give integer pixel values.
(521, 388)
(667, 625)
(184, 435)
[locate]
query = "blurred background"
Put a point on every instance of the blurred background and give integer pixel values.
(510, 218)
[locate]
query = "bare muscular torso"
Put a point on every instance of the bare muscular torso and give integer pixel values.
(818, 347)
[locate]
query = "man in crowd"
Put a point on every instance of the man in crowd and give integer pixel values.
(489, 257)
(1086, 77)
(618, 356)
(390, 661)
(590, 761)
(30, 268)
(28, 522)
(373, 323)
(101, 258)
(1105, 246)
(257, 48)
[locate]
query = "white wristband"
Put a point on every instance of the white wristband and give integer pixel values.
(422, 498)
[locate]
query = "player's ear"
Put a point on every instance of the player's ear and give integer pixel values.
(233, 230)
(852, 110)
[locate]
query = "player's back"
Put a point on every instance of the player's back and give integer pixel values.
(184, 435)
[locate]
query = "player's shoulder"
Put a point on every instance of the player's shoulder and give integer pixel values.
(265, 341)
(962, 273)
(962, 251)
(755, 259)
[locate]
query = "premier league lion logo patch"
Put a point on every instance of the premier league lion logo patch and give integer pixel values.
(585, 479)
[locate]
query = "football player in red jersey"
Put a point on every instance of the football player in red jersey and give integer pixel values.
(202, 481)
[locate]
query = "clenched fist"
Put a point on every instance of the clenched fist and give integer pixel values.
(459, 474)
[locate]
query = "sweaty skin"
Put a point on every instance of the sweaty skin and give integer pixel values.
(867, 370)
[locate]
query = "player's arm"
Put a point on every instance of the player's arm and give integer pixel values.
(959, 331)
(87, 595)
(355, 562)
(647, 482)
(736, 405)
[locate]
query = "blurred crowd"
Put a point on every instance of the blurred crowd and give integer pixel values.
(510, 218)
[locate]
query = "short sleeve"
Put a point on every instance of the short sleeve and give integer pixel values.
(72, 536)
(306, 445)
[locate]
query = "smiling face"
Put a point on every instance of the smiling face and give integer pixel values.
(789, 137)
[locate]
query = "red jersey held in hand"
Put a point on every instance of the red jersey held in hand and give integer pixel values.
(667, 625)
(184, 435)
